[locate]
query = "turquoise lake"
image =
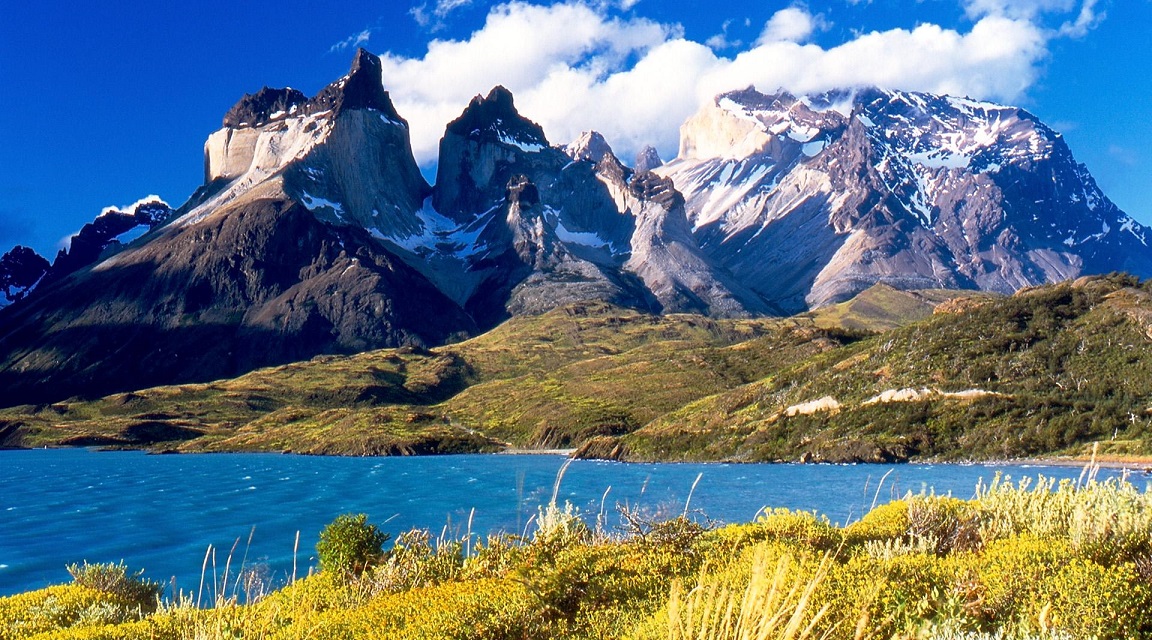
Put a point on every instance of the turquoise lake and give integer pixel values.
(160, 513)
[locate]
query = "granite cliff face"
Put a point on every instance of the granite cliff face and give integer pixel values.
(315, 232)
(518, 226)
(273, 260)
(810, 200)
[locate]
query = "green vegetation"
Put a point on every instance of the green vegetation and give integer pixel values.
(1049, 371)
(1046, 371)
(349, 545)
(129, 589)
(1020, 561)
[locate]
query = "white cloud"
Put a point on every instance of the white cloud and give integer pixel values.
(573, 67)
(1087, 17)
(354, 40)
(435, 17)
(794, 24)
(721, 40)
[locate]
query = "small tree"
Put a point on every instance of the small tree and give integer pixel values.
(349, 545)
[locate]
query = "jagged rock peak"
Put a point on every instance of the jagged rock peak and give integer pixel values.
(521, 190)
(648, 159)
(494, 118)
(149, 211)
(20, 270)
(267, 104)
(590, 146)
(361, 88)
(654, 188)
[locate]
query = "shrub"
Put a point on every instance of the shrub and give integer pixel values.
(1109, 521)
(558, 528)
(114, 579)
(802, 527)
(349, 545)
(886, 522)
(1011, 574)
(494, 557)
(415, 562)
(1089, 600)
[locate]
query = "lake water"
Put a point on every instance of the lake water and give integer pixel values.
(161, 513)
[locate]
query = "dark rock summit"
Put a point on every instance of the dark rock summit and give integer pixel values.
(360, 89)
(102, 235)
(481, 150)
(267, 104)
(648, 160)
(20, 270)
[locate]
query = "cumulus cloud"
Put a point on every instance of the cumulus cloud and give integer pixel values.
(794, 24)
(576, 66)
(721, 40)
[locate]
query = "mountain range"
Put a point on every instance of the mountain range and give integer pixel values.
(316, 233)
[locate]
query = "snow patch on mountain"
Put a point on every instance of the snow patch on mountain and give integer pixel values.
(440, 235)
(313, 203)
(585, 238)
(527, 147)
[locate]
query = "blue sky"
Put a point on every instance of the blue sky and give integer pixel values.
(105, 103)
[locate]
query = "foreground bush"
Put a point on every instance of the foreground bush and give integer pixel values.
(1020, 562)
(349, 545)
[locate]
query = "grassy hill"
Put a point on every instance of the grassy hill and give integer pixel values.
(401, 401)
(1041, 372)
(967, 376)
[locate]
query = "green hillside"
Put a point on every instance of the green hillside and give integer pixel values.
(1042, 372)
(1046, 371)
(404, 401)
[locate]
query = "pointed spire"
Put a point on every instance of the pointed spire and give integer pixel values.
(362, 88)
(589, 146)
(648, 159)
(495, 117)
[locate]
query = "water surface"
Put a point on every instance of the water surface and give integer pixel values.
(161, 513)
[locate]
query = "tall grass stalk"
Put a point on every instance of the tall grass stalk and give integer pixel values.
(295, 554)
(559, 478)
(203, 571)
(691, 491)
(776, 605)
(876, 498)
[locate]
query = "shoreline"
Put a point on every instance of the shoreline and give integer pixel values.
(1141, 464)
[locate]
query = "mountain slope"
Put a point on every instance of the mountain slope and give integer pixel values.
(370, 397)
(847, 189)
(1039, 372)
(1045, 371)
(315, 232)
(257, 269)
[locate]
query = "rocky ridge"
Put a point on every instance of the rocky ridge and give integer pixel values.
(847, 189)
(315, 231)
